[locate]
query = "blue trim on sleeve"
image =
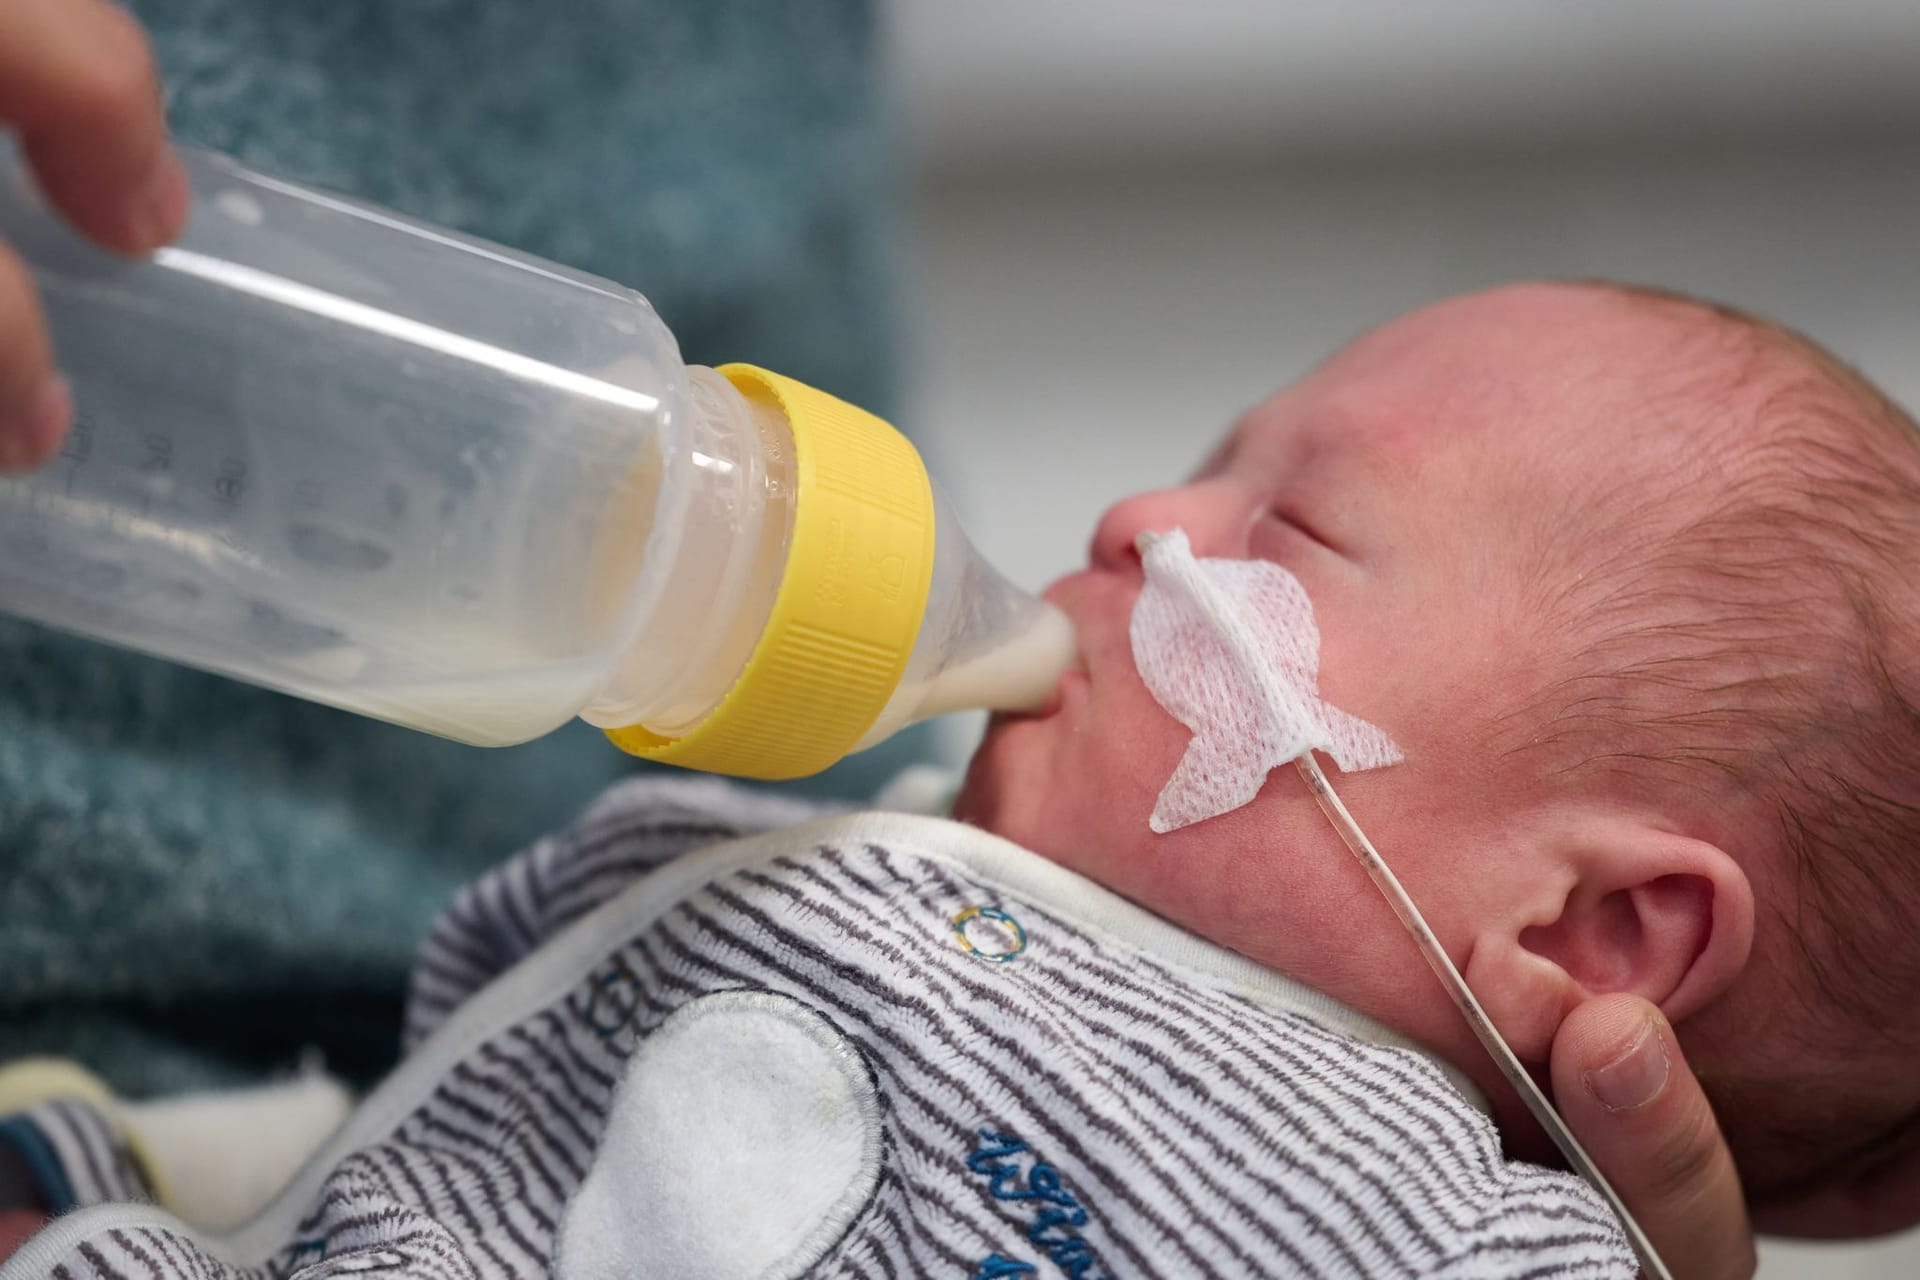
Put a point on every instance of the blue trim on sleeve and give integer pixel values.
(26, 1137)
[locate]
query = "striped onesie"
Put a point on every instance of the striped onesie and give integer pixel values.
(713, 1033)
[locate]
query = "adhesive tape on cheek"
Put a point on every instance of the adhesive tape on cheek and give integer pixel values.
(1231, 650)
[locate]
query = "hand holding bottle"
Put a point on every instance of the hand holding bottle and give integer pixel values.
(79, 90)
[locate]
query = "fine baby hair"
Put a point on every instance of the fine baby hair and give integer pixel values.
(1745, 627)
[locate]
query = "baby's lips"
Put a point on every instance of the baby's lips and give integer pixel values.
(1064, 595)
(1058, 591)
(1057, 699)
(1088, 595)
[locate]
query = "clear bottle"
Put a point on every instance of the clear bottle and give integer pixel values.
(335, 452)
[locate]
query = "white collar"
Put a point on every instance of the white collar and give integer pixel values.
(986, 857)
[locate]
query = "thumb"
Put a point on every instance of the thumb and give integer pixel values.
(1623, 1086)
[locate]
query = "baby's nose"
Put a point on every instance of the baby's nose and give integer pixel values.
(1215, 515)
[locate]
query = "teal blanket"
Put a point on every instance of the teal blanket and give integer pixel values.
(200, 881)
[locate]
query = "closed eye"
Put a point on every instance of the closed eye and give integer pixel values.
(1284, 524)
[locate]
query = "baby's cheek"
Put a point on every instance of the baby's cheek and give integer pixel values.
(1373, 653)
(1140, 746)
(1073, 786)
(1422, 656)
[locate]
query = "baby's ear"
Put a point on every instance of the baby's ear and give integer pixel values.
(1616, 906)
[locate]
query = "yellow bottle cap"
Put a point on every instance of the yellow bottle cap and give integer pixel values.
(859, 563)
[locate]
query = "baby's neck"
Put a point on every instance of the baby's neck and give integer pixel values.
(1274, 882)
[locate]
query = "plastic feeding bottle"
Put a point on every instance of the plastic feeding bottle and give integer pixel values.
(331, 451)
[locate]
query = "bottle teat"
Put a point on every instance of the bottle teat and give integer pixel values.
(983, 644)
(885, 614)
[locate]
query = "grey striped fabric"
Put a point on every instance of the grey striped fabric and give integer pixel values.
(1068, 1087)
(90, 1154)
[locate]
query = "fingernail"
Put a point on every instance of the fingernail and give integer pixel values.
(160, 203)
(35, 434)
(1636, 1077)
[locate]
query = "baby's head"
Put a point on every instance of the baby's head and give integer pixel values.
(1634, 582)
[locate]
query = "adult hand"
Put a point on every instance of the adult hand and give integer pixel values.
(79, 89)
(1623, 1085)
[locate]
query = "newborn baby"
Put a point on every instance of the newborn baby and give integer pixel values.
(1619, 573)
(1629, 580)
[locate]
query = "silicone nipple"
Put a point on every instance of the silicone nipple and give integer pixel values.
(1231, 650)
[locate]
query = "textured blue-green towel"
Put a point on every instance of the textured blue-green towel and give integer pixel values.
(198, 879)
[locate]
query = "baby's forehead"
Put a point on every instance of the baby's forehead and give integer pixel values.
(1596, 377)
(1556, 341)
(1550, 432)
(1552, 409)
(1496, 371)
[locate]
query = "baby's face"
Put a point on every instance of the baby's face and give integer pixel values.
(1406, 484)
(1455, 492)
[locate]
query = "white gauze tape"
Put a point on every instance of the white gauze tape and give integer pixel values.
(1231, 650)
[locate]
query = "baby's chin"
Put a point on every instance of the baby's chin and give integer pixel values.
(983, 796)
(1006, 788)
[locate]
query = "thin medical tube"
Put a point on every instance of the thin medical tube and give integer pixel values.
(1489, 1035)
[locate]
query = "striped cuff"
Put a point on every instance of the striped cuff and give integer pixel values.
(76, 1156)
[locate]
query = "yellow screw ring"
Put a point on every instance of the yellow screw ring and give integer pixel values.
(859, 564)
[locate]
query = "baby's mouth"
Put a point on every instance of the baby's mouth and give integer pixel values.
(1061, 596)
(1076, 674)
(1056, 697)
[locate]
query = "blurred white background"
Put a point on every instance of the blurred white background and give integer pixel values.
(1134, 220)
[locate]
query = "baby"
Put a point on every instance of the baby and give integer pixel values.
(1629, 578)
(1622, 574)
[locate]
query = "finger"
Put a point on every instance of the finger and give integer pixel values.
(1623, 1085)
(78, 84)
(34, 403)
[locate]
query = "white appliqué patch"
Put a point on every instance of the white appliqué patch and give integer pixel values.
(742, 1143)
